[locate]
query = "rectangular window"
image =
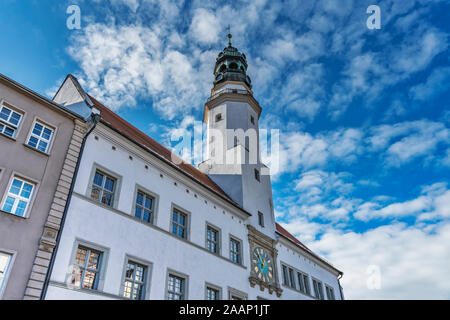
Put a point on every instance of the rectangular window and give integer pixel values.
(40, 137)
(252, 119)
(285, 276)
(330, 293)
(318, 289)
(212, 293)
(18, 198)
(257, 175)
(176, 288)
(235, 251)
(212, 239)
(218, 117)
(261, 219)
(86, 270)
(291, 278)
(5, 264)
(300, 282)
(103, 188)
(234, 294)
(9, 121)
(179, 223)
(306, 283)
(144, 207)
(303, 283)
(135, 277)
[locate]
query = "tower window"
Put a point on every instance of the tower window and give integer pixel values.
(261, 219)
(218, 117)
(252, 119)
(233, 65)
(257, 175)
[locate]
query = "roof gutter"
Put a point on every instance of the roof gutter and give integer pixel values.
(39, 97)
(95, 120)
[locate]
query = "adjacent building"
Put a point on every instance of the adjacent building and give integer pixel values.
(39, 146)
(142, 224)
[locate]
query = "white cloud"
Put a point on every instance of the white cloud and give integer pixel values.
(433, 86)
(413, 261)
(205, 26)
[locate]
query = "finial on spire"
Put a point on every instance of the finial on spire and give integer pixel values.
(229, 35)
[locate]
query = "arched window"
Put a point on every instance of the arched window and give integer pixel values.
(233, 65)
(222, 68)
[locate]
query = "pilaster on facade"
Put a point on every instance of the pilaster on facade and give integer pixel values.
(52, 226)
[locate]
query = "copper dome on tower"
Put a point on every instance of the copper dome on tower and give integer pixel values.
(231, 65)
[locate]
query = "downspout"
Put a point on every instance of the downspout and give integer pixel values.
(95, 118)
(340, 287)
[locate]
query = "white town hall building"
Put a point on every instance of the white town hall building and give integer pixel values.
(141, 225)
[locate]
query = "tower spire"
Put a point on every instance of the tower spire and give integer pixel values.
(229, 35)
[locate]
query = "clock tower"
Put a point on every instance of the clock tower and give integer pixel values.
(234, 161)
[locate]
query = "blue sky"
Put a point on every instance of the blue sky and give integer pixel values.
(364, 115)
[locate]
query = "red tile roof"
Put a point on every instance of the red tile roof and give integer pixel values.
(288, 235)
(283, 232)
(141, 138)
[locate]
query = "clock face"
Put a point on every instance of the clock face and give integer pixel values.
(262, 265)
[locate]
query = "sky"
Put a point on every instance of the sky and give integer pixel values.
(363, 114)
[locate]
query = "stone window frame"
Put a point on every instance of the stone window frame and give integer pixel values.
(147, 278)
(8, 105)
(185, 277)
(320, 288)
(52, 138)
(96, 166)
(241, 247)
(187, 228)
(237, 293)
(330, 289)
(209, 285)
(261, 221)
(218, 239)
(13, 255)
(103, 264)
(306, 283)
(22, 177)
(155, 196)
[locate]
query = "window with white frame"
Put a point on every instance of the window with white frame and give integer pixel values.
(330, 292)
(135, 277)
(103, 188)
(212, 293)
(18, 198)
(235, 251)
(9, 121)
(144, 206)
(318, 289)
(40, 137)
(212, 239)
(176, 287)
(179, 223)
(86, 269)
(5, 264)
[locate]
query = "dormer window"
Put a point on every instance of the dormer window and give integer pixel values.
(218, 117)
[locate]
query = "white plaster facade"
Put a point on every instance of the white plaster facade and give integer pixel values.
(118, 234)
